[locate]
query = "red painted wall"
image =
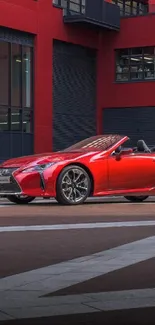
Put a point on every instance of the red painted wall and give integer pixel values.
(133, 33)
(19, 14)
(46, 22)
(51, 26)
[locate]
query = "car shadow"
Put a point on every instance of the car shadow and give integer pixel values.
(88, 203)
(56, 204)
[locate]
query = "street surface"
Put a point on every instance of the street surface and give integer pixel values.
(92, 264)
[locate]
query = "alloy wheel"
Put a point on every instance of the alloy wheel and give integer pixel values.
(75, 185)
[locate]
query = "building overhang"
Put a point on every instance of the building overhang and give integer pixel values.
(97, 13)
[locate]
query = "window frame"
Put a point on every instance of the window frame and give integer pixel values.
(142, 64)
(21, 108)
(81, 4)
(138, 11)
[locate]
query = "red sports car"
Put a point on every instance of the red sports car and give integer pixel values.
(98, 166)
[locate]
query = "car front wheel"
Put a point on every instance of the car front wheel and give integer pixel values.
(20, 199)
(136, 198)
(73, 186)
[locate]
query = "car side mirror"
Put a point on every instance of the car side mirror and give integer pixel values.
(122, 153)
(118, 156)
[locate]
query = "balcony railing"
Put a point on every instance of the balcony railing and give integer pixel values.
(75, 5)
(132, 7)
(95, 12)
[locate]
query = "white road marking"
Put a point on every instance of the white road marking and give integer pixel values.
(5, 206)
(20, 295)
(94, 225)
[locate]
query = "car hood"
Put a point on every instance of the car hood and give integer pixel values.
(42, 159)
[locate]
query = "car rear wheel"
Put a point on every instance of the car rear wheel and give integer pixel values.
(73, 186)
(136, 198)
(20, 199)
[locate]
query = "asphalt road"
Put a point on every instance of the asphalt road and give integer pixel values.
(91, 264)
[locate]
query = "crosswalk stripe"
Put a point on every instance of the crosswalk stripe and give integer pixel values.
(20, 295)
(95, 225)
(84, 303)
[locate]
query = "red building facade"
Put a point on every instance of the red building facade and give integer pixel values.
(44, 22)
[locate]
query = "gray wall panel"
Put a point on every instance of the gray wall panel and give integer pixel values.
(14, 36)
(137, 123)
(74, 94)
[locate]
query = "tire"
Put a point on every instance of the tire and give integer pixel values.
(136, 198)
(73, 186)
(19, 200)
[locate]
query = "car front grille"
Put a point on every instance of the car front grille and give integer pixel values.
(9, 188)
(7, 171)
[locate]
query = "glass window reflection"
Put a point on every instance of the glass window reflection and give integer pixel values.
(132, 7)
(16, 66)
(26, 76)
(16, 91)
(15, 120)
(4, 120)
(16, 99)
(135, 64)
(27, 121)
(4, 73)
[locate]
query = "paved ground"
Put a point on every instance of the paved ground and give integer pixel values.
(91, 264)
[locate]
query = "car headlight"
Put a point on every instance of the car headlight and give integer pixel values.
(38, 168)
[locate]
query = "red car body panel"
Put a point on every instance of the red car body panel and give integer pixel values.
(133, 173)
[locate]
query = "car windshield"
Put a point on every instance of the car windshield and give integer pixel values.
(95, 143)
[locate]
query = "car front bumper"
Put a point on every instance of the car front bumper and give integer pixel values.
(30, 184)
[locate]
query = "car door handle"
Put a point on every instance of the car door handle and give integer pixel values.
(153, 160)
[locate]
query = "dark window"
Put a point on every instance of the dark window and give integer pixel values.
(4, 119)
(16, 100)
(135, 64)
(27, 76)
(16, 66)
(16, 93)
(149, 63)
(27, 121)
(131, 7)
(16, 120)
(4, 73)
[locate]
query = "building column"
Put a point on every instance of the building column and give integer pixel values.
(43, 80)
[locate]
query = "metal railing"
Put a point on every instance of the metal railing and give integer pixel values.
(97, 12)
(74, 6)
(132, 7)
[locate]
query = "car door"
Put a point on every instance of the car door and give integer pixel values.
(131, 171)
